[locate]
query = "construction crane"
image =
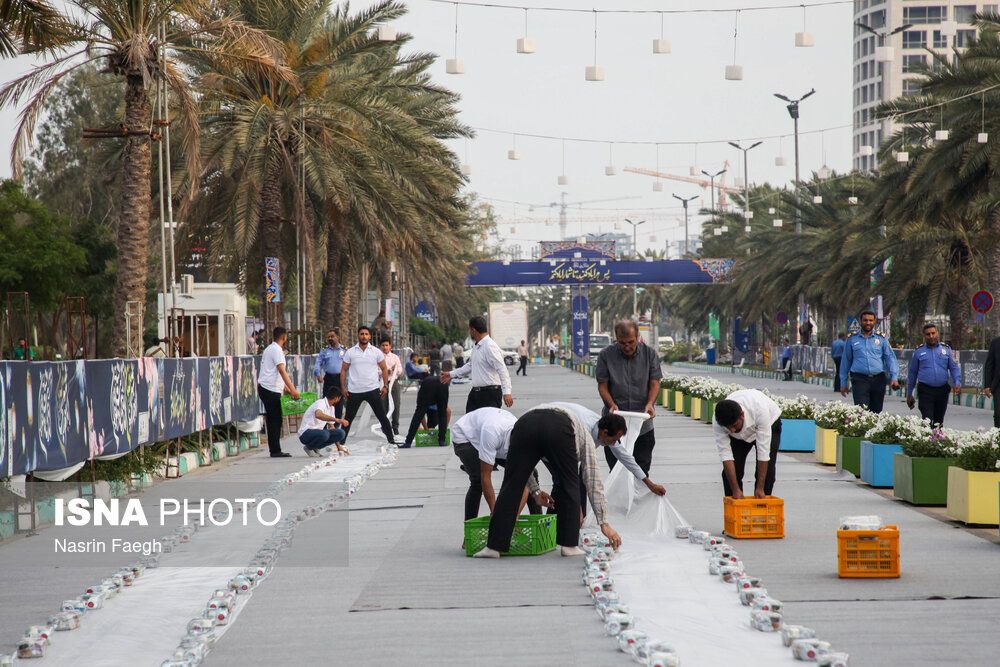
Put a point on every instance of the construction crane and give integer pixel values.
(563, 205)
(721, 186)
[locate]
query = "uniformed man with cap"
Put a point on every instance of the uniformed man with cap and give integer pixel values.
(870, 364)
(931, 366)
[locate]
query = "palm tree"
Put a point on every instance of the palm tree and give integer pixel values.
(28, 24)
(126, 38)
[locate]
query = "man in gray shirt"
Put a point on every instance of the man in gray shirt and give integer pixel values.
(628, 378)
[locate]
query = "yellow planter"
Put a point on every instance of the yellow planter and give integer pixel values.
(826, 446)
(663, 396)
(973, 497)
(696, 404)
(679, 402)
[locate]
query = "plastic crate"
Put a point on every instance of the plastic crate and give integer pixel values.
(754, 518)
(534, 534)
(429, 437)
(289, 406)
(868, 554)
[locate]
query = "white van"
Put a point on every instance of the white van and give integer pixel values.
(665, 342)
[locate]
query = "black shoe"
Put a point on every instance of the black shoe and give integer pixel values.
(462, 468)
(442, 443)
(406, 445)
(280, 455)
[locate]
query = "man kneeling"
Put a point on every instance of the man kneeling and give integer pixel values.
(320, 428)
(559, 436)
(745, 419)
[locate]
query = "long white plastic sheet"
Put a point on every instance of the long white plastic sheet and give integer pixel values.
(143, 624)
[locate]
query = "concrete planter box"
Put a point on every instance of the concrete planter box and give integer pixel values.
(663, 396)
(686, 405)
(798, 435)
(921, 480)
(696, 408)
(670, 401)
(849, 454)
(973, 497)
(232, 447)
(708, 412)
(6, 525)
(826, 445)
(219, 451)
(678, 401)
(877, 463)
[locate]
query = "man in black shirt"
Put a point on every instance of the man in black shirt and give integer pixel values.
(432, 400)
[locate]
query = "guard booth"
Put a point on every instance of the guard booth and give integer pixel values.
(209, 319)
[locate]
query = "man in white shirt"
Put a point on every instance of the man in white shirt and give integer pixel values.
(480, 440)
(553, 350)
(395, 366)
(272, 379)
(458, 351)
(599, 428)
(319, 427)
(364, 378)
(745, 420)
(490, 378)
(522, 355)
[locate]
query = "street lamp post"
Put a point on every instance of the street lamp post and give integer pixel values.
(711, 178)
(793, 111)
(746, 175)
(684, 201)
(635, 251)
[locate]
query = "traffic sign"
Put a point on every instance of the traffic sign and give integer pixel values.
(982, 302)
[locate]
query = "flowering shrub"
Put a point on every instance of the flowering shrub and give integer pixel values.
(857, 421)
(832, 415)
(671, 382)
(800, 407)
(983, 456)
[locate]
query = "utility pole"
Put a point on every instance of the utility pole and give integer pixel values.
(635, 251)
(684, 201)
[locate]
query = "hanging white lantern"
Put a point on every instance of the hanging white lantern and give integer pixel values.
(525, 45)
(610, 170)
(805, 39)
(513, 154)
(853, 201)
(982, 137)
(513, 229)
(386, 33)
(777, 222)
(581, 239)
(657, 186)
(594, 73)
(780, 161)
(747, 229)
(662, 46)
(748, 215)
(866, 151)
(903, 156)
(734, 72)
(717, 231)
(948, 28)
(563, 180)
(824, 172)
(818, 199)
(771, 211)
(454, 66)
(652, 239)
(724, 228)
(738, 182)
(694, 170)
(466, 169)
(885, 54)
(941, 135)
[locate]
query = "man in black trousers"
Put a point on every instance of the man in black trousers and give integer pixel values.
(365, 379)
(486, 369)
(432, 401)
(991, 378)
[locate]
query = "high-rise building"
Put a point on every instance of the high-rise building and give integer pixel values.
(886, 64)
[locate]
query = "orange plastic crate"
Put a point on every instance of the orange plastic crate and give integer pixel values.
(868, 554)
(754, 518)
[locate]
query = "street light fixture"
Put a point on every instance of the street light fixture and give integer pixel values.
(746, 175)
(635, 251)
(684, 201)
(793, 111)
(712, 177)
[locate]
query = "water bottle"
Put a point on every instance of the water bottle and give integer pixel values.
(790, 633)
(30, 647)
(644, 650)
(765, 603)
(663, 660)
(765, 621)
(628, 639)
(808, 650)
(615, 623)
(697, 536)
(65, 620)
(746, 581)
(835, 659)
(711, 541)
(748, 595)
(682, 532)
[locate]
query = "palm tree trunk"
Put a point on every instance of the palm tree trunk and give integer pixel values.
(916, 308)
(133, 224)
(993, 274)
(270, 236)
(959, 311)
(347, 317)
(309, 265)
(329, 300)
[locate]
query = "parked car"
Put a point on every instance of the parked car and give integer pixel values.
(597, 343)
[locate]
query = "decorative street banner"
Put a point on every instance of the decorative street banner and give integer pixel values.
(112, 406)
(594, 271)
(180, 386)
(272, 279)
(246, 405)
(425, 311)
(60, 407)
(580, 297)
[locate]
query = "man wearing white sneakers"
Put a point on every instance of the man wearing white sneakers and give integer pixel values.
(320, 426)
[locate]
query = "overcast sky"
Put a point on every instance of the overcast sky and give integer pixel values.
(681, 98)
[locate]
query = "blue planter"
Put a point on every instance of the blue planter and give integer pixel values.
(877, 463)
(799, 435)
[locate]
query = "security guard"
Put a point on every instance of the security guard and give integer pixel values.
(930, 367)
(328, 366)
(868, 360)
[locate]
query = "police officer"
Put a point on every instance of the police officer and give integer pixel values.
(929, 370)
(328, 365)
(869, 362)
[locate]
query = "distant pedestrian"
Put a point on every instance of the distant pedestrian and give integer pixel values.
(931, 366)
(413, 369)
(320, 427)
(522, 353)
(434, 359)
(395, 366)
(991, 378)
(786, 360)
(380, 325)
(870, 364)
(432, 403)
(745, 420)
(486, 368)
(806, 331)
(365, 379)
(272, 379)
(628, 378)
(22, 352)
(447, 357)
(459, 353)
(553, 350)
(328, 365)
(837, 352)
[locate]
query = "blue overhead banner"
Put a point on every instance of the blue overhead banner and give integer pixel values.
(594, 271)
(581, 323)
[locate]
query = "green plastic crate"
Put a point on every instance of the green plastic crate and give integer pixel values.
(429, 437)
(534, 534)
(290, 406)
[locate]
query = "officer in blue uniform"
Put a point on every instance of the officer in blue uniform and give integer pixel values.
(930, 368)
(870, 363)
(327, 369)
